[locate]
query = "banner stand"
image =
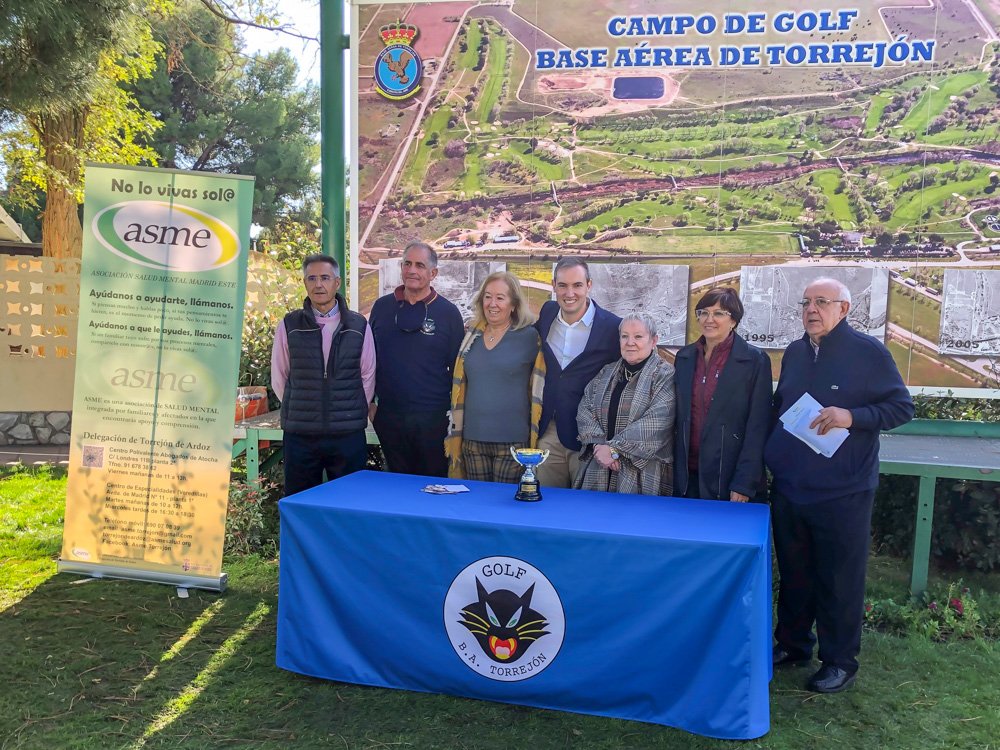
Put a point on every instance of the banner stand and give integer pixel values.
(206, 583)
(162, 293)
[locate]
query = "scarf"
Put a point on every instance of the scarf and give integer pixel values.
(453, 443)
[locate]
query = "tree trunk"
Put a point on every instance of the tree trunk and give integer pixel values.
(61, 137)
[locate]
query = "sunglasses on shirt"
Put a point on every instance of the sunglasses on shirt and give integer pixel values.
(426, 327)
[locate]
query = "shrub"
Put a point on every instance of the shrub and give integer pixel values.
(966, 524)
(951, 407)
(252, 519)
(252, 515)
(272, 291)
(942, 614)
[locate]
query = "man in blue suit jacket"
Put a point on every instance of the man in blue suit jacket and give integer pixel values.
(578, 339)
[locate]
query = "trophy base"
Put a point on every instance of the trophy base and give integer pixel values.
(528, 492)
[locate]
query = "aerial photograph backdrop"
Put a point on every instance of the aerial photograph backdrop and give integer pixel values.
(859, 142)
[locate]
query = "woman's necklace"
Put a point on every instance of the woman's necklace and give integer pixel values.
(630, 371)
(492, 337)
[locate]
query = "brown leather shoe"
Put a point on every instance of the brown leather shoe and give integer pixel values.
(830, 680)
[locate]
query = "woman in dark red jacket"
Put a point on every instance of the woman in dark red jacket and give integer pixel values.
(723, 391)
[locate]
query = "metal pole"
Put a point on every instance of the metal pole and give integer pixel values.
(922, 536)
(333, 43)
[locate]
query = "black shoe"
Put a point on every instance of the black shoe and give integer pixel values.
(782, 658)
(830, 680)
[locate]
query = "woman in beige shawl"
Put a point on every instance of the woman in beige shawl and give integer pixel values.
(626, 418)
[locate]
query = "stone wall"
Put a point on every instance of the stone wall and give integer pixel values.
(34, 428)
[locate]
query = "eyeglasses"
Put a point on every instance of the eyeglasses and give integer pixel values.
(325, 278)
(821, 302)
(718, 315)
(427, 326)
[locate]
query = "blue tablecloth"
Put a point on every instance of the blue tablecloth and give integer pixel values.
(653, 609)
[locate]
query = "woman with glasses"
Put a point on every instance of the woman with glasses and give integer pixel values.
(723, 406)
(496, 397)
(626, 418)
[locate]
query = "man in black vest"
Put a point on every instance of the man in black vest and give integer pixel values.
(323, 371)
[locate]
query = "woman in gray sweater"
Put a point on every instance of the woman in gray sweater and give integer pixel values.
(498, 367)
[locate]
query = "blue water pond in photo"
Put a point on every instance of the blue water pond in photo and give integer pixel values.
(638, 87)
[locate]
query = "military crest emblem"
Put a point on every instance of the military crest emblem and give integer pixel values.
(398, 67)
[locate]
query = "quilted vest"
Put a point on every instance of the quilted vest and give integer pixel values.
(324, 398)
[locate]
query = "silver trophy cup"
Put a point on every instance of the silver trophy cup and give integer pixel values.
(528, 489)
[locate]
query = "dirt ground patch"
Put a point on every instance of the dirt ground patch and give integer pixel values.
(548, 84)
(435, 32)
(443, 173)
(602, 83)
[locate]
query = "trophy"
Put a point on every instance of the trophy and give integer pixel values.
(529, 458)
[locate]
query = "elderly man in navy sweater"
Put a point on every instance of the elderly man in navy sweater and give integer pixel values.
(578, 339)
(821, 507)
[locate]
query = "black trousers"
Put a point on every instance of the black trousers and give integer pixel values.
(694, 485)
(307, 456)
(822, 550)
(413, 442)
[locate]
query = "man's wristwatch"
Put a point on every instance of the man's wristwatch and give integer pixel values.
(615, 455)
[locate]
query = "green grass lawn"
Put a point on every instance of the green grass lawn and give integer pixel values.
(910, 207)
(636, 210)
(839, 207)
(31, 514)
(590, 166)
(416, 166)
(875, 110)
(744, 242)
(518, 67)
(101, 664)
(962, 136)
(922, 316)
(933, 101)
(519, 150)
(700, 205)
(920, 367)
(465, 60)
(493, 76)
(472, 176)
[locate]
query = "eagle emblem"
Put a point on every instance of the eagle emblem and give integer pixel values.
(398, 66)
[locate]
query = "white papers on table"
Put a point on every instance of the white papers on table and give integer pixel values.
(445, 489)
(800, 415)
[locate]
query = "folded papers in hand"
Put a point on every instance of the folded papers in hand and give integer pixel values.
(800, 415)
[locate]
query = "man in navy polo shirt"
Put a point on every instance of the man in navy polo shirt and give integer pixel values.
(578, 339)
(821, 507)
(417, 335)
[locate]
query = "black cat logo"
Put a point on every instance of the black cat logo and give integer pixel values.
(504, 623)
